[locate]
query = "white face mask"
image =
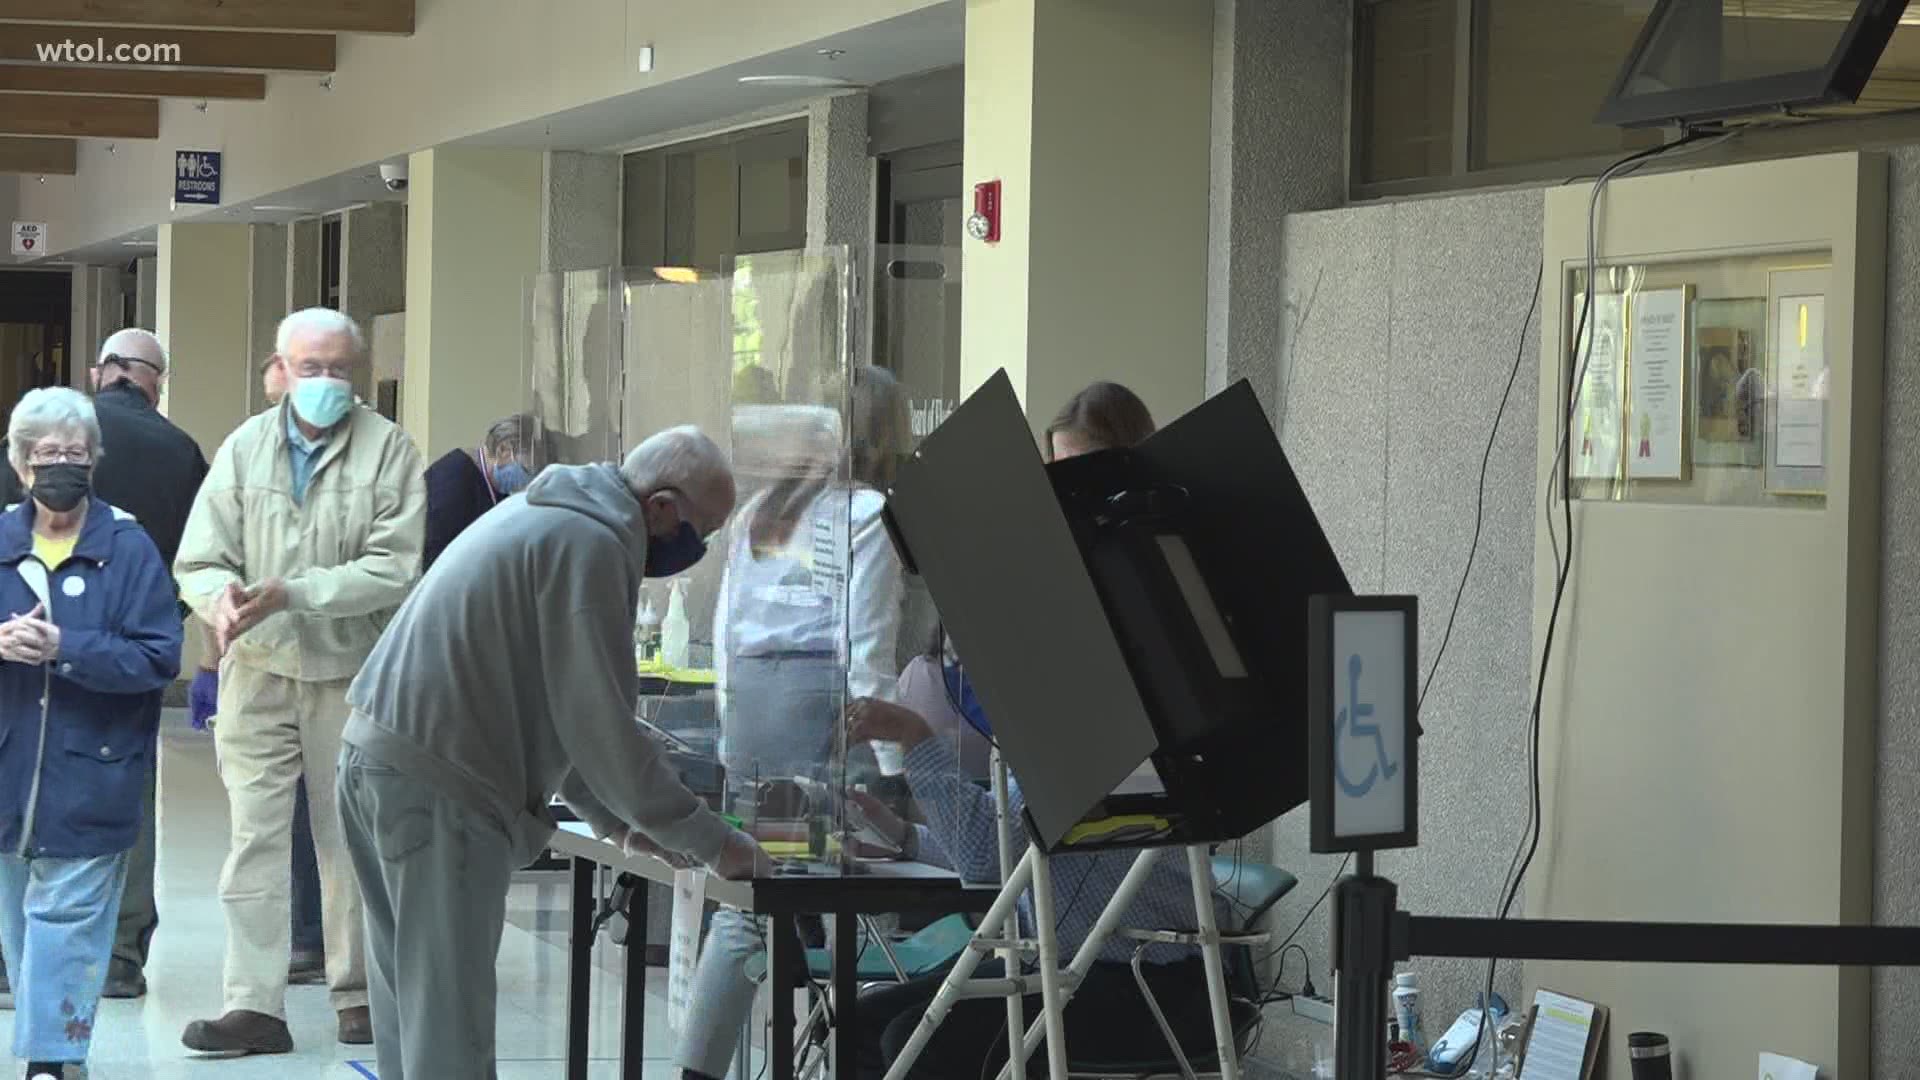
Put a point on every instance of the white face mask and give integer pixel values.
(322, 401)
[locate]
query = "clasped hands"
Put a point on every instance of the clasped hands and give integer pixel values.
(29, 638)
(239, 609)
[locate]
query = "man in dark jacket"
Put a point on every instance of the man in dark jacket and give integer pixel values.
(152, 470)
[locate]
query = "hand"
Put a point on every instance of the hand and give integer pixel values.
(203, 698)
(29, 639)
(742, 859)
(874, 720)
(636, 843)
(226, 616)
(881, 817)
(267, 598)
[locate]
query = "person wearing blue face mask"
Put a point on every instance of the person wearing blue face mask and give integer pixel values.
(520, 637)
(468, 482)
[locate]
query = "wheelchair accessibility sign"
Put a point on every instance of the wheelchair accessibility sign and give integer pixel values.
(1362, 731)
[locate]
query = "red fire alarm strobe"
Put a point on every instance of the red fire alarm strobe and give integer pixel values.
(984, 224)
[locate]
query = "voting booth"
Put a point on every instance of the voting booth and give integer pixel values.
(748, 660)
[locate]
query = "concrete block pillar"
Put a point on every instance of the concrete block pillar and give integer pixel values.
(95, 314)
(147, 283)
(202, 292)
(267, 303)
(580, 211)
(1094, 116)
(839, 173)
(474, 236)
(303, 264)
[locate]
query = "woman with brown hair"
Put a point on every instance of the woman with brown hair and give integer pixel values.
(1104, 416)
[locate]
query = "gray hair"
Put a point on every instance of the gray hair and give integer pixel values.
(682, 458)
(134, 342)
(51, 410)
(319, 321)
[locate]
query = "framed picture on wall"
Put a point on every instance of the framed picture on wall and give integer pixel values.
(1729, 381)
(1798, 377)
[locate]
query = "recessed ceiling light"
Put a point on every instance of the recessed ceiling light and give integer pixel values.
(138, 243)
(812, 82)
(282, 209)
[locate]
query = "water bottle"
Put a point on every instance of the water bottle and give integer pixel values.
(675, 631)
(1406, 1009)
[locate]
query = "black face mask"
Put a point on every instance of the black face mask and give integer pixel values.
(61, 487)
(672, 555)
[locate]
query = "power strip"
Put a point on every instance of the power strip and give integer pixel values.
(1314, 1008)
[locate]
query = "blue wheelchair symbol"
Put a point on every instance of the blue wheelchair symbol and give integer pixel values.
(1383, 767)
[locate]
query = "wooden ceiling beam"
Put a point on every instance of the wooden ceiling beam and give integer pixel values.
(336, 16)
(135, 82)
(84, 117)
(51, 157)
(42, 43)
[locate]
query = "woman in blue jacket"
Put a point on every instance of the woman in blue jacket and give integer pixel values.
(91, 636)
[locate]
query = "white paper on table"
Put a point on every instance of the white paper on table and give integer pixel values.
(683, 942)
(1799, 383)
(1557, 1048)
(1601, 352)
(1776, 1067)
(1657, 358)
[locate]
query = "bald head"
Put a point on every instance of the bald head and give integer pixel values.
(131, 356)
(681, 475)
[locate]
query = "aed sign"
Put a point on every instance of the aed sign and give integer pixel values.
(1363, 737)
(29, 238)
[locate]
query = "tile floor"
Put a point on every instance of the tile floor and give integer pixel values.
(140, 1040)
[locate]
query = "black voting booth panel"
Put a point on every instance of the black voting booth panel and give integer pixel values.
(1126, 605)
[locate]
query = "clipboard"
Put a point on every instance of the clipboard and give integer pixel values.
(1555, 1061)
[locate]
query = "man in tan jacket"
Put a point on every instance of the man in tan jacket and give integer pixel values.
(305, 538)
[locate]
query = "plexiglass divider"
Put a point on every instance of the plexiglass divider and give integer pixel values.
(798, 606)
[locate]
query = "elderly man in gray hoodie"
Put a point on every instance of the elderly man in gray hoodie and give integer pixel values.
(507, 677)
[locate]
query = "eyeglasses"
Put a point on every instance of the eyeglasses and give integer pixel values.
(129, 361)
(314, 369)
(60, 457)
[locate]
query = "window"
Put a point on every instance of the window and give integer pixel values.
(1456, 92)
(698, 205)
(330, 261)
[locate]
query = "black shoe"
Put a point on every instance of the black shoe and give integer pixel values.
(125, 981)
(238, 1033)
(307, 967)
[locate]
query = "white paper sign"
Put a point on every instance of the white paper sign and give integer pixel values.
(29, 238)
(1776, 1067)
(683, 943)
(1800, 382)
(1562, 1027)
(1598, 400)
(1657, 358)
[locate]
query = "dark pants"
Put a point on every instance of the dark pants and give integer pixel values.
(139, 913)
(1108, 1022)
(307, 935)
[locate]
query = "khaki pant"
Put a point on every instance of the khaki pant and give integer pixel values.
(270, 731)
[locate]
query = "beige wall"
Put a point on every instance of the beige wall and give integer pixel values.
(470, 67)
(1101, 270)
(473, 227)
(204, 282)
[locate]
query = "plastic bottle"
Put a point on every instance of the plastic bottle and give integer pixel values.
(675, 630)
(1406, 1009)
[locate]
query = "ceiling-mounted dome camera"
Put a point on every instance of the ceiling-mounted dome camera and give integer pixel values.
(394, 175)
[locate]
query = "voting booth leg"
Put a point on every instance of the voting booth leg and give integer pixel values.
(1201, 871)
(1103, 929)
(1002, 920)
(1053, 1003)
(1362, 940)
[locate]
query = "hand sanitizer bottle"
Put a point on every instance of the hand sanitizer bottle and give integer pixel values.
(675, 630)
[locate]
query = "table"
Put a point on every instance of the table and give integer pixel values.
(887, 887)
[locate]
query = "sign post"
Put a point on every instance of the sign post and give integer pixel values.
(29, 238)
(196, 177)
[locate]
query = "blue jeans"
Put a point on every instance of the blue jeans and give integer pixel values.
(307, 935)
(57, 921)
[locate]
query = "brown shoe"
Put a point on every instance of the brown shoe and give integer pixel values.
(356, 1026)
(238, 1033)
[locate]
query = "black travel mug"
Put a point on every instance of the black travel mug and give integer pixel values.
(1651, 1054)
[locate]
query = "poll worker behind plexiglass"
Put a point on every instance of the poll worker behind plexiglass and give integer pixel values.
(507, 677)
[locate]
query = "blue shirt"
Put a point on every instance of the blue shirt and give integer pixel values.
(965, 837)
(305, 454)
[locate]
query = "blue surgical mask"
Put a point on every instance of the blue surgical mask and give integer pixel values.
(667, 556)
(510, 478)
(322, 401)
(960, 695)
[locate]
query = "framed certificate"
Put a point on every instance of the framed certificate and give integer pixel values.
(1798, 376)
